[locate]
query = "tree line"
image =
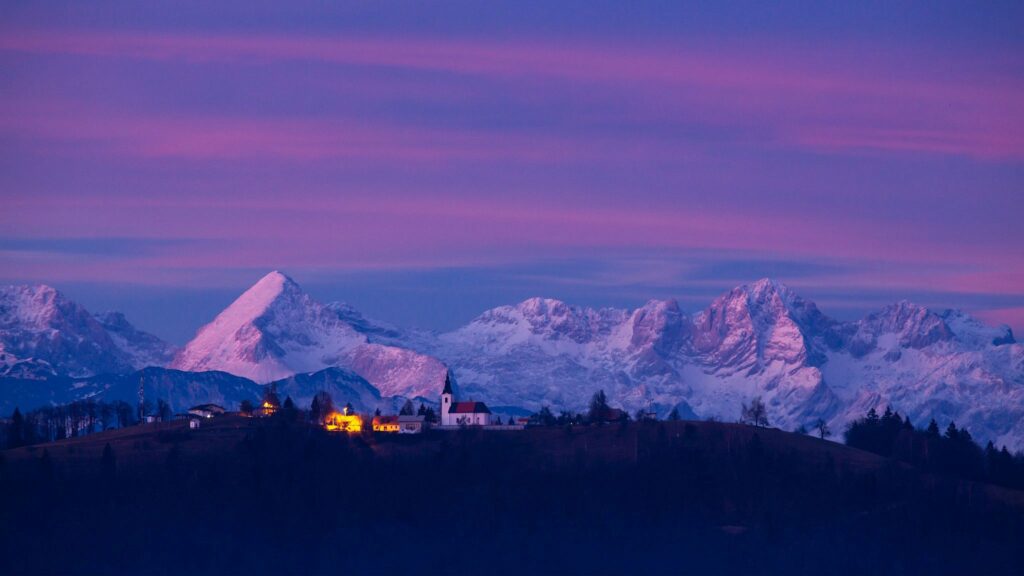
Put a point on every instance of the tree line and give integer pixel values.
(78, 418)
(952, 451)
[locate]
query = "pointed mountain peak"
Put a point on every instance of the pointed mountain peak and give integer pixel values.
(261, 294)
(274, 281)
(763, 297)
(275, 290)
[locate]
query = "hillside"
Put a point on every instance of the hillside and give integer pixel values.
(262, 496)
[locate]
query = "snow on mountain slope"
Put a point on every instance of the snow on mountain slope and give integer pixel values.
(275, 330)
(143, 349)
(760, 339)
(43, 331)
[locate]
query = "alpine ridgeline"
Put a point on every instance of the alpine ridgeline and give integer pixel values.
(45, 334)
(760, 339)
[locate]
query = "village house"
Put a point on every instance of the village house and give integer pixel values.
(270, 403)
(411, 424)
(207, 410)
(385, 424)
(344, 421)
(402, 424)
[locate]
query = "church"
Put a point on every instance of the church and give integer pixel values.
(462, 413)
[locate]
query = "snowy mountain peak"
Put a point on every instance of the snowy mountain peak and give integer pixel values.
(756, 324)
(767, 287)
(913, 326)
(35, 305)
(42, 329)
(143, 349)
(274, 330)
(550, 319)
(263, 293)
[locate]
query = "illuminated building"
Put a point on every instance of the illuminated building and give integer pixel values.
(344, 421)
(385, 424)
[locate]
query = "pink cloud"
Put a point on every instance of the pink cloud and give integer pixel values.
(846, 102)
(203, 137)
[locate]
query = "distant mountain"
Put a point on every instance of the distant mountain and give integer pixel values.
(43, 333)
(143, 349)
(759, 339)
(275, 330)
(343, 385)
(182, 390)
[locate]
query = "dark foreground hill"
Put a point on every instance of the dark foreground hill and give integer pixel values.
(243, 496)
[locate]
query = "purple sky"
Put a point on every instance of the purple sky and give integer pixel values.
(425, 161)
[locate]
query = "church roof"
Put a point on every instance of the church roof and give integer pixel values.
(447, 385)
(469, 408)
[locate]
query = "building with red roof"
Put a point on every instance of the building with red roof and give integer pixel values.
(462, 413)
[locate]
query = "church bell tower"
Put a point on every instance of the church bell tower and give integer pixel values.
(446, 399)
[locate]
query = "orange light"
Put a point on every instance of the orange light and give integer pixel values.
(338, 422)
(385, 425)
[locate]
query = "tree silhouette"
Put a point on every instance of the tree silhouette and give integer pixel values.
(108, 464)
(545, 417)
(822, 428)
(288, 410)
(321, 406)
(598, 407)
(756, 414)
(16, 430)
(163, 410)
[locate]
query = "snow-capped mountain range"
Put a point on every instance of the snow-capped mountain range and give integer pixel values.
(760, 339)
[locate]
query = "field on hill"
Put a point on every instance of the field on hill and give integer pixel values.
(267, 496)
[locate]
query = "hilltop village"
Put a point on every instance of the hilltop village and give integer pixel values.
(454, 414)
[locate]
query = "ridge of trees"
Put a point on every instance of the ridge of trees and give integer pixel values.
(953, 452)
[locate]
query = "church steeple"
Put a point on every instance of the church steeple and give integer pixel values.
(446, 400)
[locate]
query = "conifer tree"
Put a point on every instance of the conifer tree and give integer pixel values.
(16, 430)
(108, 464)
(598, 407)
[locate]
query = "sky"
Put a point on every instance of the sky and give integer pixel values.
(425, 161)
